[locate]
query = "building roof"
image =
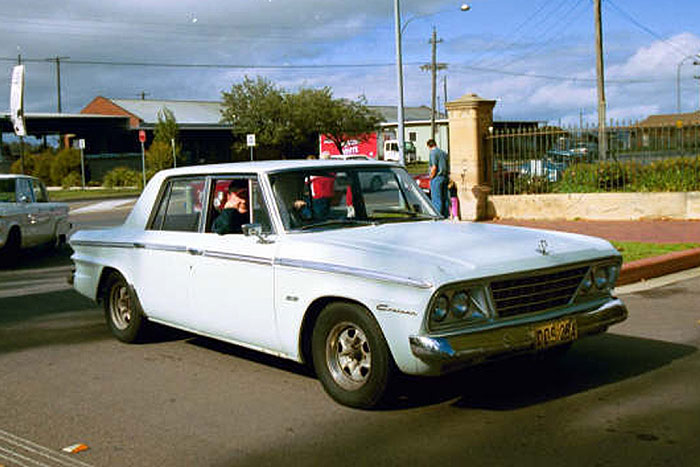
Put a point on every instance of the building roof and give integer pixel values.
(209, 112)
(388, 113)
(186, 112)
(683, 119)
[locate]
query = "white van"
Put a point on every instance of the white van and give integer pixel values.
(391, 151)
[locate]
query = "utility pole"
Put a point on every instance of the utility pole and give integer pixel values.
(58, 78)
(698, 78)
(433, 67)
(143, 95)
(600, 72)
(444, 93)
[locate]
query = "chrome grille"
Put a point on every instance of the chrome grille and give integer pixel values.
(536, 292)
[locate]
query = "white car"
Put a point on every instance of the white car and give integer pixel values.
(373, 284)
(27, 218)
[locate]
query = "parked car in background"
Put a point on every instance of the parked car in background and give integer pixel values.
(423, 181)
(27, 218)
(391, 151)
(374, 284)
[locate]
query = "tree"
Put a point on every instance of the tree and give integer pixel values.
(160, 153)
(289, 124)
(256, 106)
(349, 119)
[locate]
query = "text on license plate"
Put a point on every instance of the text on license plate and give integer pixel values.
(555, 332)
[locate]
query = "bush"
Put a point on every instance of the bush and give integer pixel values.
(65, 162)
(674, 174)
(159, 156)
(123, 177)
(36, 164)
(72, 179)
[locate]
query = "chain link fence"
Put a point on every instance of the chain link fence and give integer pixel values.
(639, 158)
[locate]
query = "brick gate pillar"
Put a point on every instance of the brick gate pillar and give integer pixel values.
(470, 118)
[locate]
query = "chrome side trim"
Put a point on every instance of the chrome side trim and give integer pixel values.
(161, 247)
(352, 271)
(103, 244)
(237, 257)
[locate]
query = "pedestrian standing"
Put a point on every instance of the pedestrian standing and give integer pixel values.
(439, 175)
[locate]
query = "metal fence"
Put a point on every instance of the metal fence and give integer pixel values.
(566, 160)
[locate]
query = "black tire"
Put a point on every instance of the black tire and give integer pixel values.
(351, 357)
(10, 250)
(122, 311)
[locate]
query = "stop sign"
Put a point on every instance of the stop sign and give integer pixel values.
(142, 136)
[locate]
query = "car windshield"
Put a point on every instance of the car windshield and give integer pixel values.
(7, 191)
(313, 199)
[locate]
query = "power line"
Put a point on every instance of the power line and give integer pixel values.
(321, 66)
(644, 28)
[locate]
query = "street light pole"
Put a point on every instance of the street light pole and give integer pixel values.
(678, 79)
(399, 82)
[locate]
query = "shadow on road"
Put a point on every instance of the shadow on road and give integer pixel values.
(526, 381)
(37, 258)
(252, 355)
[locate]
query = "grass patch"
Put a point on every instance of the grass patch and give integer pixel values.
(72, 195)
(417, 168)
(632, 251)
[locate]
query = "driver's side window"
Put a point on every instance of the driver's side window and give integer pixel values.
(234, 202)
(23, 191)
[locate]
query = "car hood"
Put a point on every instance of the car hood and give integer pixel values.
(436, 252)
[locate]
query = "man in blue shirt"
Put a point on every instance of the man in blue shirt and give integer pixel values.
(439, 175)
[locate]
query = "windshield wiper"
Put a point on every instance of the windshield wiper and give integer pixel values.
(337, 223)
(403, 212)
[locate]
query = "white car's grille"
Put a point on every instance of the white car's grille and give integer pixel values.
(536, 292)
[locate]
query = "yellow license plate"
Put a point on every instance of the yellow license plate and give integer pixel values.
(555, 333)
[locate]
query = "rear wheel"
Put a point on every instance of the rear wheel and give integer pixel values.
(122, 311)
(10, 250)
(350, 356)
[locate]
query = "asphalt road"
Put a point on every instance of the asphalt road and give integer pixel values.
(627, 397)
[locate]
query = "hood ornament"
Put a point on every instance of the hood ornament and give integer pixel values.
(542, 248)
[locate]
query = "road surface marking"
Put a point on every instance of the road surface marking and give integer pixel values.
(25, 453)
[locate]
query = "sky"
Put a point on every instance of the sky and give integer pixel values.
(536, 58)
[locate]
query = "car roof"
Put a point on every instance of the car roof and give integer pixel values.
(6, 176)
(271, 166)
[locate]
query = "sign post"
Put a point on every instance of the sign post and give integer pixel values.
(81, 146)
(172, 143)
(17, 108)
(250, 140)
(142, 139)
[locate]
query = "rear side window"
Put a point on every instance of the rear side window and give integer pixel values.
(180, 206)
(7, 190)
(40, 195)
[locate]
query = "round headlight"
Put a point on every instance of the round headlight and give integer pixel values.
(439, 312)
(601, 277)
(587, 283)
(460, 304)
(613, 274)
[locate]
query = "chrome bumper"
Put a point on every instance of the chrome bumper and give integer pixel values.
(477, 346)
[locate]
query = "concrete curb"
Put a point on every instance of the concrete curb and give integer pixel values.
(648, 268)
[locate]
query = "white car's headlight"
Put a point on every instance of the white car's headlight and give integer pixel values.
(458, 306)
(600, 278)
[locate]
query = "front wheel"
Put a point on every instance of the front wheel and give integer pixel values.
(350, 356)
(122, 312)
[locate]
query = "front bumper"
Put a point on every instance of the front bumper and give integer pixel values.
(451, 352)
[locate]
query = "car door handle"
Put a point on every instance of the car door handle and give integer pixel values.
(194, 251)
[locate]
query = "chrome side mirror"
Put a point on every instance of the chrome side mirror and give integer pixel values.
(255, 230)
(24, 199)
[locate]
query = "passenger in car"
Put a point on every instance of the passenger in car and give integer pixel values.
(235, 212)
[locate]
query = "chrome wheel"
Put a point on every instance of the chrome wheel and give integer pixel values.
(120, 306)
(348, 355)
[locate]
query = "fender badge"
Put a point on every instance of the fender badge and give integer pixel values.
(542, 248)
(385, 307)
